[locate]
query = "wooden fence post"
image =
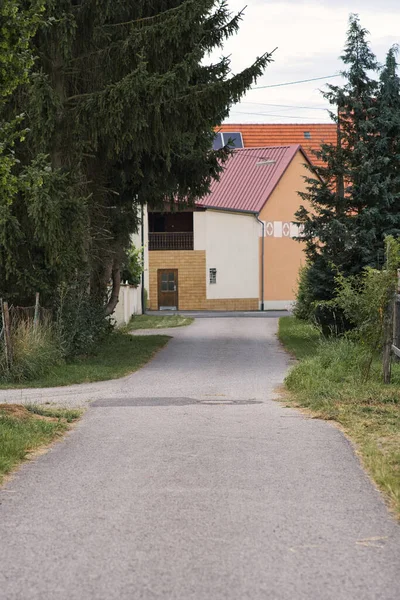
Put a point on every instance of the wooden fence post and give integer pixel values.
(388, 340)
(7, 333)
(37, 313)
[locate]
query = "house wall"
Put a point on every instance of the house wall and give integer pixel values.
(283, 255)
(191, 265)
(224, 241)
(129, 304)
(137, 241)
(231, 243)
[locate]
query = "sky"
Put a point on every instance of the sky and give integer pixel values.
(309, 36)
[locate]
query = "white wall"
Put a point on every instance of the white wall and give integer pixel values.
(129, 303)
(137, 241)
(231, 241)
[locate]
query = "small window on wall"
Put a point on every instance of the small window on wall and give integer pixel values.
(213, 275)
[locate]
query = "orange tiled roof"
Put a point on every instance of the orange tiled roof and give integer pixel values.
(284, 134)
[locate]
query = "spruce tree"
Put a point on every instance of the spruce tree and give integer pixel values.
(353, 196)
(26, 253)
(125, 106)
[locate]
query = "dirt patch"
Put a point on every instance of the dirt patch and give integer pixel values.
(15, 410)
(19, 411)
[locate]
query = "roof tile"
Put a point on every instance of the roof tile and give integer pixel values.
(281, 134)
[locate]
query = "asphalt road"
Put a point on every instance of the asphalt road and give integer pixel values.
(185, 481)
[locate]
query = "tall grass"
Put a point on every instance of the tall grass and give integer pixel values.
(35, 349)
(330, 381)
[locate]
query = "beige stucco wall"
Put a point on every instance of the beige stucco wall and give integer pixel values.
(231, 244)
(283, 255)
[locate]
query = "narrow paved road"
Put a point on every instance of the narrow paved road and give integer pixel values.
(185, 481)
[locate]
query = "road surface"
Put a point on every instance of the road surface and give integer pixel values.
(187, 481)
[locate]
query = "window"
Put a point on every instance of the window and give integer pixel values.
(307, 135)
(232, 139)
(213, 275)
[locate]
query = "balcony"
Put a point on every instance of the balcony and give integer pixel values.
(171, 241)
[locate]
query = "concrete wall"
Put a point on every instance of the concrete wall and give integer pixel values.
(231, 244)
(129, 304)
(283, 255)
(137, 241)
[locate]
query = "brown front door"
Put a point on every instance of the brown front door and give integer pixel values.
(168, 288)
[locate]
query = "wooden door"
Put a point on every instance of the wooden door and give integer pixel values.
(168, 288)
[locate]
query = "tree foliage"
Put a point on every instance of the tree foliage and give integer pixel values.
(367, 300)
(124, 103)
(355, 195)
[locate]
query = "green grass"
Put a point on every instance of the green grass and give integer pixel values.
(23, 431)
(329, 381)
(118, 355)
(299, 337)
(155, 322)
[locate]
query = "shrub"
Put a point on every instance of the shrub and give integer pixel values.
(81, 320)
(304, 298)
(327, 316)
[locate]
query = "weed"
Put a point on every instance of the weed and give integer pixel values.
(329, 380)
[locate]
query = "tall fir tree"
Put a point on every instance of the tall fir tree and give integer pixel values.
(21, 182)
(125, 106)
(345, 227)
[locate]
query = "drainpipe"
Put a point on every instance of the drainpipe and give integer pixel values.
(142, 233)
(262, 261)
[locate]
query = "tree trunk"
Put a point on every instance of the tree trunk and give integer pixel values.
(116, 283)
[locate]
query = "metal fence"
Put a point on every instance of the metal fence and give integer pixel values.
(12, 317)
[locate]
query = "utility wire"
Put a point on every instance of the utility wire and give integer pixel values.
(272, 115)
(286, 105)
(263, 87)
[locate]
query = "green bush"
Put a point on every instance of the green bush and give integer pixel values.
(304, 299)
(330, 319)
(81, 321)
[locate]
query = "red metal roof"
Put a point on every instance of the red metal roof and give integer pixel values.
(310, 136)
(247, 181)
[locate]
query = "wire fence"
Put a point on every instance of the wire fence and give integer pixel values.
(19, 314)
(12, 317)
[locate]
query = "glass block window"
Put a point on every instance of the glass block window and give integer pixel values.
(213, 275)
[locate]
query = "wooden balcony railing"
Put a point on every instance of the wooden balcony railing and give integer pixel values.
(171, 241)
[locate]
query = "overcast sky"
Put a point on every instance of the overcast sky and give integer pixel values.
(310, 35)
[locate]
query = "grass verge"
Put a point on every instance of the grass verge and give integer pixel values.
(328, 381)
(156, 322)
(118, 355)
(24, 430)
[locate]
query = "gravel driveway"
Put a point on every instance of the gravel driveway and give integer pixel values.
(185, 481)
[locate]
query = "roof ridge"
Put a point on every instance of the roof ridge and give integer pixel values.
(266, 147)
(277, 124)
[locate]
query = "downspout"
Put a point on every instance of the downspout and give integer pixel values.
(262, 261)
(142, 234)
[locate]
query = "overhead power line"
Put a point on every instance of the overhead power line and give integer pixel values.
(273, 115)
(263, 87)
(286, 106)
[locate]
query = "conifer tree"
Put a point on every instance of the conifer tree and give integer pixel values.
(125, 106)
(22, 247)
(353, 196)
